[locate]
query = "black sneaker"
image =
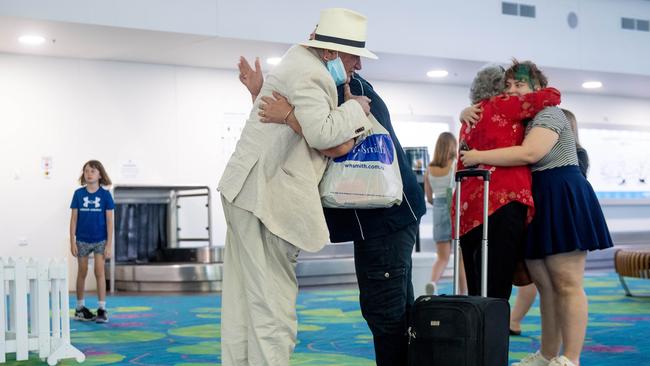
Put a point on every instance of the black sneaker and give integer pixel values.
(84, 314)
(102, 316)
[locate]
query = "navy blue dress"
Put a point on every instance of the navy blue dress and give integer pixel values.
(568, 216)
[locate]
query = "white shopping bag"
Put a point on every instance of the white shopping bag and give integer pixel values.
(367, 177)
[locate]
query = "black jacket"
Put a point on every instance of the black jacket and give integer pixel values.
(354, 225)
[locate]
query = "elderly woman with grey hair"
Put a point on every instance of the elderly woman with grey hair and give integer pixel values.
(511, 205)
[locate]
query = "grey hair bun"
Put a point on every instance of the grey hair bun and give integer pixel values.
(488, 82)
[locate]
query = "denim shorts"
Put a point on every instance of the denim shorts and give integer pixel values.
(441, 220)
(84, 249)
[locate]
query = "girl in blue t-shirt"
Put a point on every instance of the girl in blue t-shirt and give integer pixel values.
(91, 231)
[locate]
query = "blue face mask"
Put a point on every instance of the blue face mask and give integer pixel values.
(337, 70)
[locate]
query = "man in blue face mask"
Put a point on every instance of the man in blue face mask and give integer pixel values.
(383, 238)
(270, 197)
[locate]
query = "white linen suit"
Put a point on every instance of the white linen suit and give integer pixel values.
(272, 205)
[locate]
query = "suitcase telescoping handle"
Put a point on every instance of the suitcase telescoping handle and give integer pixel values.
(473, 173)
(460, 175)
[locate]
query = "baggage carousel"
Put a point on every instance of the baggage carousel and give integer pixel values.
(201, 269)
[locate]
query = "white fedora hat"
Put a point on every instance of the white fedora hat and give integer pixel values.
(341, 30)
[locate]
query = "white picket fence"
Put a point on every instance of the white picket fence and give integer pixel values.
(34, 310)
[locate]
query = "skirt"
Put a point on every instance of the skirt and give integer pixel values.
(568, 216)
(441, 220)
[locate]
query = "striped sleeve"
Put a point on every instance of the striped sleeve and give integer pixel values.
(564, 151)
(548, 119)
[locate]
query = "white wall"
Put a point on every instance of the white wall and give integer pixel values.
(187, 16)
(168, 120)
(165, 119)
(469, 29)
(590, 109)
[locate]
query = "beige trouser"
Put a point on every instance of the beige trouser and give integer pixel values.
(258, 303)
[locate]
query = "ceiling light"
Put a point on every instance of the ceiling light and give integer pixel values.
(273, 60)
(592, 84)
(31, 40)
(437, 73)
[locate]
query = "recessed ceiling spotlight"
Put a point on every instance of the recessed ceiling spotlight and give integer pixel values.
(273, 60)
(592, 84)
(31, 40)
(437, 73)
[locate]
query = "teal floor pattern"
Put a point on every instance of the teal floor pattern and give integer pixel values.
(184, 330)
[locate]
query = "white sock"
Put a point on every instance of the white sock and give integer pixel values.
(80, 303)
(102, 304)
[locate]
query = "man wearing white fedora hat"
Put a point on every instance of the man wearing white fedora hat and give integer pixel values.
(270, 196)
(383, 238)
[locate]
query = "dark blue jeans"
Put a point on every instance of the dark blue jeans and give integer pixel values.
(383, 267)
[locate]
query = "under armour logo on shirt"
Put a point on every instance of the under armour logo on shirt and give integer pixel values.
(95, 202)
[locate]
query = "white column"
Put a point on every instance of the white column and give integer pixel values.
(3, 314)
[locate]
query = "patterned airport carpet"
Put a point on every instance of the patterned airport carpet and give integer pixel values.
(184, 330)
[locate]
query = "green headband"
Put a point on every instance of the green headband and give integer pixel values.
(523, 74)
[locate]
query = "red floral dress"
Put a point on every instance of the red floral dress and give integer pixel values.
(500, 126)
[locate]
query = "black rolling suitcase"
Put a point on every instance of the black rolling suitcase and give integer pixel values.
(461, 330)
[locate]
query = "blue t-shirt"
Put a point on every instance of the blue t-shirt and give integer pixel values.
(91, 218)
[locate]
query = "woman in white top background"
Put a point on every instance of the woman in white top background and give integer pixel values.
(438, 187)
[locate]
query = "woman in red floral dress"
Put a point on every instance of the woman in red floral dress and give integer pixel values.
(511, 205)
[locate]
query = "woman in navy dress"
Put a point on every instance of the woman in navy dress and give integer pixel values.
(568, 222)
